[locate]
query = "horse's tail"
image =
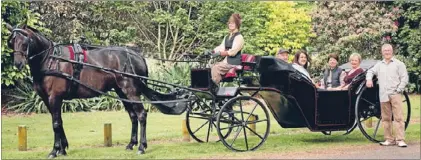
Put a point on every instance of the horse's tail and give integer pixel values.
(146, 69)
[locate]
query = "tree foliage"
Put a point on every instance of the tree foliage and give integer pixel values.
(408, 38)
(15, 13)
(288, 26)
(348, 27)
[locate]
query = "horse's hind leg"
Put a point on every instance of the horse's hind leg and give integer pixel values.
(133, 118)
(141, 115)
(132, 92)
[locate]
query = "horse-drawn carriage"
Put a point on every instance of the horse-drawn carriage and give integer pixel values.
(237, 115)
(293, 101)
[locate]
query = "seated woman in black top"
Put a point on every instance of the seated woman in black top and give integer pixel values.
(333, 76)
(230, 48)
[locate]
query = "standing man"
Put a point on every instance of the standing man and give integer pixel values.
(282, 55)
(392, 77)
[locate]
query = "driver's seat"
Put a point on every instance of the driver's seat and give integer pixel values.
(238, 70)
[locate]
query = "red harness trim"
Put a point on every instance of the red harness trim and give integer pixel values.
(85, 56)
(72, 54)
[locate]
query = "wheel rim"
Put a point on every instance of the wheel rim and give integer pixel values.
(368, 113)
(244, 136)
(200, 121)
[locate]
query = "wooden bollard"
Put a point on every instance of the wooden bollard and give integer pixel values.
(107, 135)
(252, 126)
(22, 138)
(186, 135)
(369, 123)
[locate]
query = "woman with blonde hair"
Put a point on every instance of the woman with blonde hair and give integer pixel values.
(355, 60)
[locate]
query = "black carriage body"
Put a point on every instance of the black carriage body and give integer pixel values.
(295, 102)
(200, 78)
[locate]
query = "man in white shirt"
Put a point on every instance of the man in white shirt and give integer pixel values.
(392, 77)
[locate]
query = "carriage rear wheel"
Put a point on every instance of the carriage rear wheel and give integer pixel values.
(368, 113)
(201, 119)
(250, 123)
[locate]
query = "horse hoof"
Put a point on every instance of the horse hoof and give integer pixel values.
(51, 156)
(62, 153)
(140, 152)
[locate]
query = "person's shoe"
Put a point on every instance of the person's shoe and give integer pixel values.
(387, 143)
(402, 144)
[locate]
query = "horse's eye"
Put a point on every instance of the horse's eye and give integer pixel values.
(9, 44)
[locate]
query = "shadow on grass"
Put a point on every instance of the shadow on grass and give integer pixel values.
(332, 139)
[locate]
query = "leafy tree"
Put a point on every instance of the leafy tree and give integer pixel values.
(347, 27)
(289, 26)
(15, 13)
(408, 38)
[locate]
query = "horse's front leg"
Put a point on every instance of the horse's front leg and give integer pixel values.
(60, 141)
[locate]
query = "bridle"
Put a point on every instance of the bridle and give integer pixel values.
(28, 41)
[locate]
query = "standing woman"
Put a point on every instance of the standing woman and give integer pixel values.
(230, 48)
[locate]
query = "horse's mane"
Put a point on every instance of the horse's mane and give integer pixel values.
(32, 29)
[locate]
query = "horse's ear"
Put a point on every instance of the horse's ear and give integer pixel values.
(9, 27)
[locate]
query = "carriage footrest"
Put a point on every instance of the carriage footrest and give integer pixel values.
(227, 91)
(172, 108)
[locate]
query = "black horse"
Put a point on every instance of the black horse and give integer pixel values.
(32, 48)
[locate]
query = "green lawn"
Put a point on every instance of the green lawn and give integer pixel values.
(85, 134)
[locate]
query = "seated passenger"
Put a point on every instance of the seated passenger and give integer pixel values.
(300, 63)
(282, 55)
(333, 76)
(355, 60)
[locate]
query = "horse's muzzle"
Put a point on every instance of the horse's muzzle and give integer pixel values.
(19, 65)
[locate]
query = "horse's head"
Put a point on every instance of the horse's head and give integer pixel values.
(20, 41)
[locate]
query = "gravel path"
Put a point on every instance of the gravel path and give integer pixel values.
(370, 151)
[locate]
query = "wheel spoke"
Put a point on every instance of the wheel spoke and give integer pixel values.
(201, 127)
(236, 135)
(375, 130)
(251, 113)
(254, 132)
(227, 120)
(245, 138)
(368, 101)
(230, 127)
(209, 128)
(365, 119)
(199, 117)
(258, 121)
(242, 128)
(241, 112)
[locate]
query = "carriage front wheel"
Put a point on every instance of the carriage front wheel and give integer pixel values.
(250, 123)
(368, 113)
(200, 121)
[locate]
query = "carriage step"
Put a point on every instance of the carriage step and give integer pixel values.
(227, 92)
